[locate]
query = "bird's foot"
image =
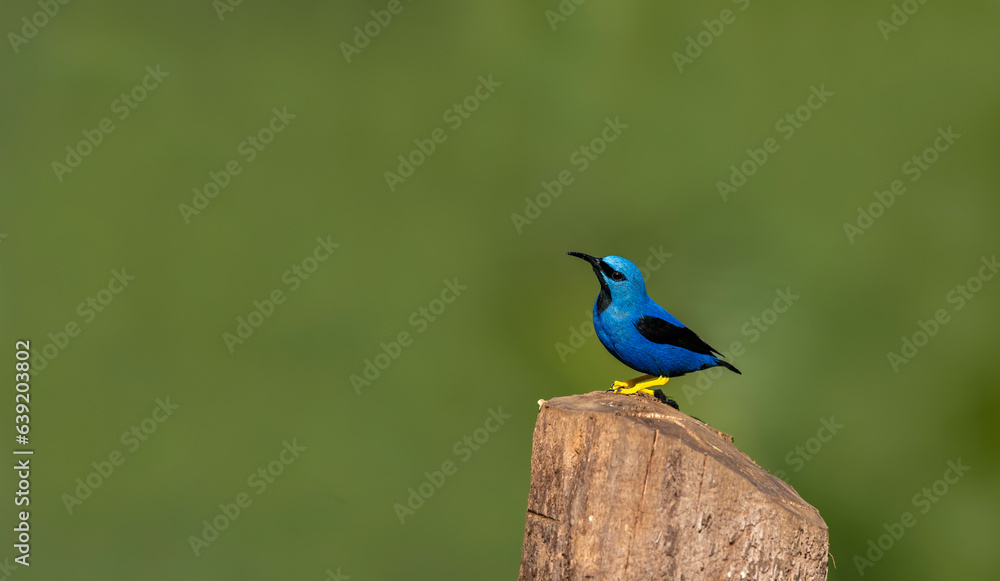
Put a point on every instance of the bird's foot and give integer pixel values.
(640, 384)
(618, 385)
(633, 390)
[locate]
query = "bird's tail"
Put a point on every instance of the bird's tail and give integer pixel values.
(729, 366)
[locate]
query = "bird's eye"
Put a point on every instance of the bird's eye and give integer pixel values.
(617, 276)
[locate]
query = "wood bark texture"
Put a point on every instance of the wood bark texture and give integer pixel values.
(626, 487)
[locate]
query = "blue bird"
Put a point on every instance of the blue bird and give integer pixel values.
(641, 333)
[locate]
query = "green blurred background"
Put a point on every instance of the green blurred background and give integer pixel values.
(652, 192)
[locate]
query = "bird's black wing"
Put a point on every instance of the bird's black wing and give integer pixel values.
(657, 330)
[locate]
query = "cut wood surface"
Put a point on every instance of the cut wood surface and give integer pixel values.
(626, 487)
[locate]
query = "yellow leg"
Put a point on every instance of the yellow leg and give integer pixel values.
(620, 384)
(638, 384)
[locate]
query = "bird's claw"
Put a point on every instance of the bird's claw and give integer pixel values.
(618, 385)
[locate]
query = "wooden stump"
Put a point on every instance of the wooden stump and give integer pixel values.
(626, 487)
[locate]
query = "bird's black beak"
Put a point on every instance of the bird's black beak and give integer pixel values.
(593, 260)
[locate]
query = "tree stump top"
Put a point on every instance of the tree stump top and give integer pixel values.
(626, 487)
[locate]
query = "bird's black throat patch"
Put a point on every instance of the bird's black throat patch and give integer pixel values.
(603, 299)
